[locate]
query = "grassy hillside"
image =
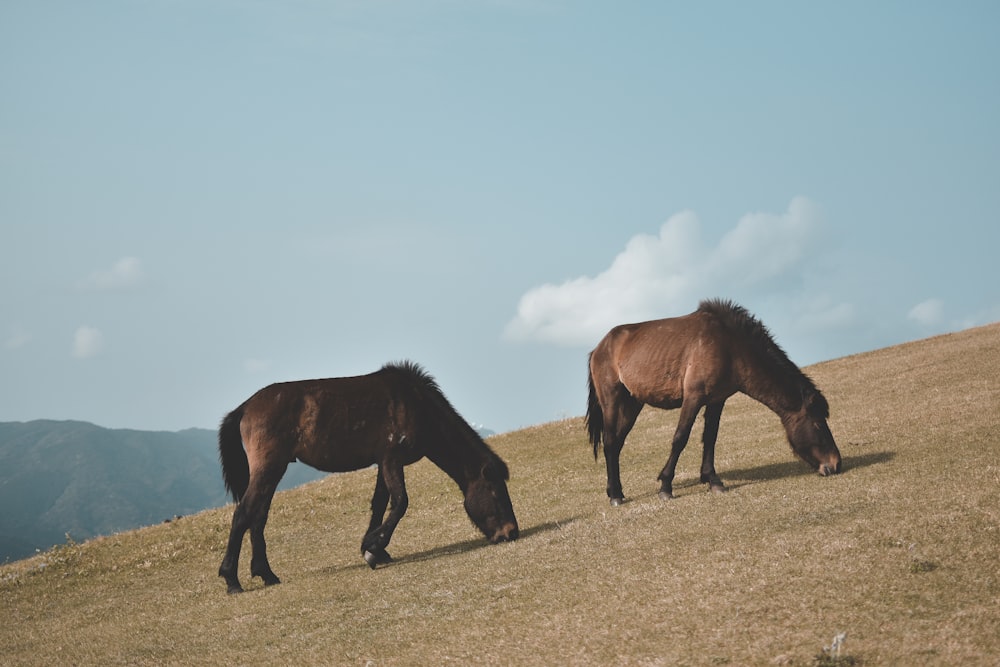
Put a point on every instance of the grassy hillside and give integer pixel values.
(899, 552)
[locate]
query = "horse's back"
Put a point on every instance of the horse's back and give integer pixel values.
(332, 424)
(657, 342)
(655, 359)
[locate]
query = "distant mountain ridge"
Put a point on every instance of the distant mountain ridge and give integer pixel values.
(76, 478)
(80, 479)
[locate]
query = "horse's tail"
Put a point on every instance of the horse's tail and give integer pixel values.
(235, 467)
(595, 416)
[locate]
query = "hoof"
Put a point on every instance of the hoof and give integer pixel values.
(269, 578)
(666, 495)
(617, 502)
(717, 488)
(376, 558)
(233, 589)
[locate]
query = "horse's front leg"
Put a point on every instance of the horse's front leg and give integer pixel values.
(380, 501)
(713, 414)
(689, 412)
(392, 487)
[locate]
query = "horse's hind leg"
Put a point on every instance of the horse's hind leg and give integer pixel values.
(259, 567)
(251, 514)
(380, 501)
(612, 455)
(713, 413)
(618, 421)
(230, 562)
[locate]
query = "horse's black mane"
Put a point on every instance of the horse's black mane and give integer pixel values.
(737, 317)
(427, 382)
(416, 371)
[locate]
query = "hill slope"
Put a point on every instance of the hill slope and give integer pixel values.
(899, 552)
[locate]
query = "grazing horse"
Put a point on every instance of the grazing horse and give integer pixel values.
(390, 418)
(700, 360)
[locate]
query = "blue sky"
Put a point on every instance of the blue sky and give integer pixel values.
(200, 198)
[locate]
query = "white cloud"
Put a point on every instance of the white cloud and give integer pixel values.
(256, 365)
(670, 273)
(764, 246)
(987, 315)
(928, 313)
(17, 338)
(125, 273)
(87, 342)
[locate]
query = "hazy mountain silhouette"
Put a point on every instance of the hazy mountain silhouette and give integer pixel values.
(76, 478)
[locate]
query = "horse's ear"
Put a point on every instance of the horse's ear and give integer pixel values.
(495, 469)
(816, 404)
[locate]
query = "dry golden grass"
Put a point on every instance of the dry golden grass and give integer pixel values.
(900, 552)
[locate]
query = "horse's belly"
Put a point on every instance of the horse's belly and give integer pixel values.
(357, 451)
(337, 455)
(666, 391)
(332, 463)
(665, 403)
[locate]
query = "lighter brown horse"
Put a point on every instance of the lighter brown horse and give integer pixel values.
(390, 418)
(700, 360)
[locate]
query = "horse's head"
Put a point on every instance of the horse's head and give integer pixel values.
(810, 436)
(487, 503)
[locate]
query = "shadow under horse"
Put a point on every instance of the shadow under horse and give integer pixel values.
(390, 418)
(695, 361)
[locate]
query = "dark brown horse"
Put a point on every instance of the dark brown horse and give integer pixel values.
(390, 418)
(700, 360)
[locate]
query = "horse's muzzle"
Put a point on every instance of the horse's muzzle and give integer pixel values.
(826, 469)
(507, 533)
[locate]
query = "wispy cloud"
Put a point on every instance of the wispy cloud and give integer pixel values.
(928, 313)
(256, 365)
(670, 272)
(16, 338)
(87, 342)
(124, 274)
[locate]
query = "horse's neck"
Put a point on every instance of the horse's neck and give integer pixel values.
(768, 386)
(456, 461)
(455, 469)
